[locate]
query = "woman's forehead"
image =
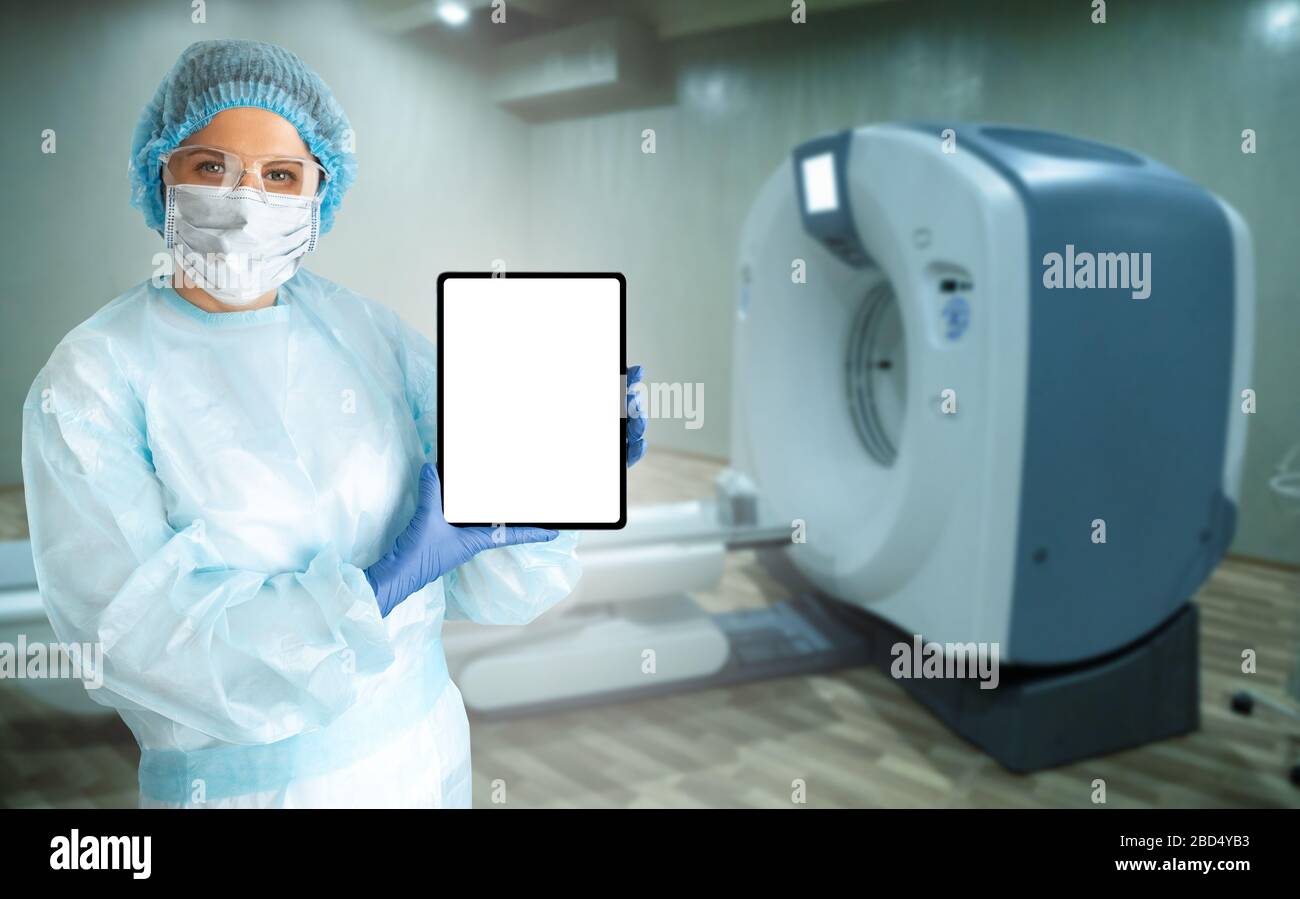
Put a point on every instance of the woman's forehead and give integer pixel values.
(250, 131)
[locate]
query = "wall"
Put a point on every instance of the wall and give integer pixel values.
(449, 181)
(1175, 80)
(439, 184)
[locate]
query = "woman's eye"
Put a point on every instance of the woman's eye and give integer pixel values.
(211, 168)
(279, 177)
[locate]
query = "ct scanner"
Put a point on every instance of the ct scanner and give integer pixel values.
(942, 432)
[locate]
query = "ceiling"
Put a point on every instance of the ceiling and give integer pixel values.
(669, 18)
(680, 18)
(566, 58)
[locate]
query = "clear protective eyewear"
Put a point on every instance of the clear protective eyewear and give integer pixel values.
(284, 176)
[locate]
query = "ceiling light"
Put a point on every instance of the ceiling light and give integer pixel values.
(453, 13)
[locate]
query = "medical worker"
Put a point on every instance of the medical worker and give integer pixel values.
(228, 480)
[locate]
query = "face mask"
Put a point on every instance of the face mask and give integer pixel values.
(233, 245)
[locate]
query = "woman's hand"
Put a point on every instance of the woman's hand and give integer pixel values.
(636, 416)
(429, 547)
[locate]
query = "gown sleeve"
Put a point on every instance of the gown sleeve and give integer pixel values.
(506, 585)
(247, 657)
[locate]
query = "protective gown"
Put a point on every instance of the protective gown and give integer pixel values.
(203, 490)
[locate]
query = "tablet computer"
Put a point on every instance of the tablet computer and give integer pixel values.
(531, 412)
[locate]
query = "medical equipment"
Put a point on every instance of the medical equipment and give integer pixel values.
(990, 376)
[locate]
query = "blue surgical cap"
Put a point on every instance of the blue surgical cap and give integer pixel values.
(214, 75)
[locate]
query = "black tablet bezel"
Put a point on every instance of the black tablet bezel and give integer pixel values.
(622, 421)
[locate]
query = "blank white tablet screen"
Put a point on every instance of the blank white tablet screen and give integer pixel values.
(531, 386)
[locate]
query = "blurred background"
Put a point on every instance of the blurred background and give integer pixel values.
(525, 142)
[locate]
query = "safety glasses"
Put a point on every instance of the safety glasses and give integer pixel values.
(284, 176)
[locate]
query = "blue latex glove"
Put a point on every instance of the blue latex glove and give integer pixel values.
(636, 417)
(429, 547)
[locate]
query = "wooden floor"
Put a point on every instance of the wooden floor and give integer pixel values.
(853, 737)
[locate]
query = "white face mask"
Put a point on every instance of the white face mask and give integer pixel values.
(233, 245)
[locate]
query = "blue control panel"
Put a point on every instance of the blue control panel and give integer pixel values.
(956, 317)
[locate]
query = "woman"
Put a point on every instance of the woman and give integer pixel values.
(228, 484)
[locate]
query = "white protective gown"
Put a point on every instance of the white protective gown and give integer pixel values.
(203, 490)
